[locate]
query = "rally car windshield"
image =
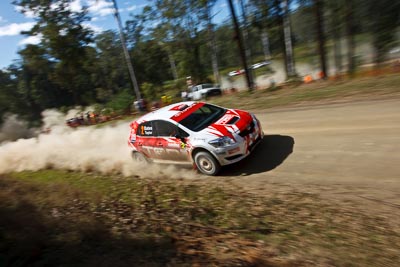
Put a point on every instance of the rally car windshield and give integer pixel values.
(203, 117)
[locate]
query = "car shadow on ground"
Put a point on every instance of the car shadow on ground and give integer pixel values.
(269, 154)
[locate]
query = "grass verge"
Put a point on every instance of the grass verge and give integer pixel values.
(317, 92)
(65, 218)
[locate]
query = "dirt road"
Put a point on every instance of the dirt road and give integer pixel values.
(345, 151)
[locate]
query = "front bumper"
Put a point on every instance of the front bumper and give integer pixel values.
(239, 151)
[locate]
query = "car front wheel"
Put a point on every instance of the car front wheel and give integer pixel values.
(139, 157)
(206, 163)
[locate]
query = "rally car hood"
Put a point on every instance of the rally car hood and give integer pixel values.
(233, 121)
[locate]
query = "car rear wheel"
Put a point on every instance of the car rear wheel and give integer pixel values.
(139, 157)
(206, 163)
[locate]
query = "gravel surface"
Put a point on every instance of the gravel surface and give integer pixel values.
(347, 151)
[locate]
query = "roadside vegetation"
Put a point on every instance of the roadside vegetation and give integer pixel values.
(63, 218)
(363, 87)
(72, 65)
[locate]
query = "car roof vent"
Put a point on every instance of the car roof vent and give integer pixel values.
(183, 107)
(233, 120)
(179, 107)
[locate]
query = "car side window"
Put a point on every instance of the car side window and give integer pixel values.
(165, 128)
(182, 133)
(145, 129)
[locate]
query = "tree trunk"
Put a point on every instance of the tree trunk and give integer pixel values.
(290, 68)
(246, 41)
(321, 37)
(250, 83)
(126, 53)
(265, 43)
(213, 47)
(172, 64)
(336, 39)
(351, 46)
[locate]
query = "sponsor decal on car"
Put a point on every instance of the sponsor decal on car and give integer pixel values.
(186, 112)
(233, 151)
(225, 119)
(219, 130)
(146, 130)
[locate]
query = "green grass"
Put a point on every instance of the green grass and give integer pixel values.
(70, 218)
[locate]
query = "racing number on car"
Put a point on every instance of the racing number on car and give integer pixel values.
(146, 130)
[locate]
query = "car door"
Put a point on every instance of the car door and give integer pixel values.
(196, 92)
(145, 139)
(170, 142)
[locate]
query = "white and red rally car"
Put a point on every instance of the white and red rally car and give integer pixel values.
(195, 132)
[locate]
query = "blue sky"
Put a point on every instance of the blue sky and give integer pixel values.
(12, 22)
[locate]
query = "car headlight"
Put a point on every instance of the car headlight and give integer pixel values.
(222, 141)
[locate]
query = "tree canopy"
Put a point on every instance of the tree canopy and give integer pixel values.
(170, 40)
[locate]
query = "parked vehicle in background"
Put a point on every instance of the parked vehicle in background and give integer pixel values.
(202, 91)
(235, 72)
(254, 66)
(198, 133)
(260, 64)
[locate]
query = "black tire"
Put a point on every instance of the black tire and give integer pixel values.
(206, 163)
(139, 157)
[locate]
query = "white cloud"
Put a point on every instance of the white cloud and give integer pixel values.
(15, 28)
(100, 7)
(106, 11)
(75, 6)
(93, 27)
(134, 7)
(95, 7)
(27, 13)
(31, 40)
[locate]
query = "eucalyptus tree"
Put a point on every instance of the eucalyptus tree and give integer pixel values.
(207, 7)
(109, 76)
(319, 16)
(241, 46)
(350, 36)
(260, 18)
(316, 10)
(35, 82)
(64, 40)
(179, 25)
(272, 19)
(224, 36)
(150, 53)
(335, 25)
(9, 97)
(383, 23)
(128, 59)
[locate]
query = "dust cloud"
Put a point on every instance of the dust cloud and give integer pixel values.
(87, 148)
(13, 129)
